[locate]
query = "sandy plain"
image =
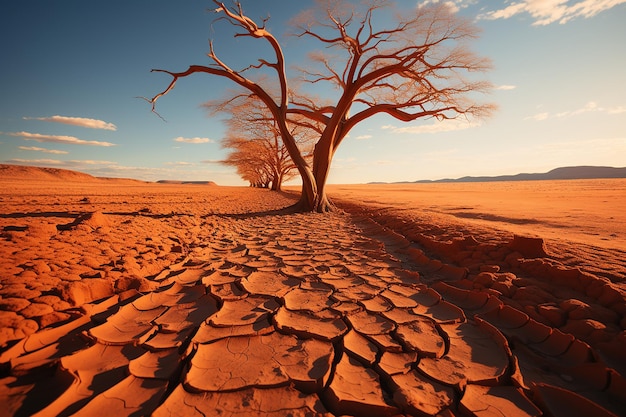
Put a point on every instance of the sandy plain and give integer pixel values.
(124, 298)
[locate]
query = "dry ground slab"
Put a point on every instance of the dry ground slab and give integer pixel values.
(126, 298)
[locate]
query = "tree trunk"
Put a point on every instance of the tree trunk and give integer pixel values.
(313, 196)
(275, 182)
(279, 182)
(321, 168)
(277, 179)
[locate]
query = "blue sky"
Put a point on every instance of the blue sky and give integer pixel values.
(72, 71)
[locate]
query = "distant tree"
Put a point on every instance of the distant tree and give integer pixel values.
(257, 150)
(417, 67)
(245, 158)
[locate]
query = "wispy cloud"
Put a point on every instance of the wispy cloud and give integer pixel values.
(453, 5)
(362, 137)
(437, 127)
(384, 162)
(91, 162)
(180, 163)
(192, 140)
(506, 87)
(539, 116)
(72, 163)
(57, 139)
(37, 162)
(590, 107)
(545, 12)
(77, 121)
(616, 110)
(211, 161)
(44, 150)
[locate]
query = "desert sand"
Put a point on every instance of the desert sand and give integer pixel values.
(119, 297)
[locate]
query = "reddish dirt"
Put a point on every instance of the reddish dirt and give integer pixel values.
(126, 298)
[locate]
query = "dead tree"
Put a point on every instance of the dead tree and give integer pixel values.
(418, 67)
(254, 139)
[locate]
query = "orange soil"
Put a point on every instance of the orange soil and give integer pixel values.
(583, 222)
(584, 211)
(127, 298)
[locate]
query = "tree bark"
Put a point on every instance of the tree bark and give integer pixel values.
(321, 167)
(313, 197)
(279, 184)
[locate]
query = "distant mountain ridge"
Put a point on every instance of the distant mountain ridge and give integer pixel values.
(562, 173)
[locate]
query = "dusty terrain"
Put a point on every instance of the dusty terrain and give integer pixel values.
(583, 222)
(124, 298)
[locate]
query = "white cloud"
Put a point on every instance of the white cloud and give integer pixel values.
(57, 139)
(192, 140)
(539, 116)
(68, 163)
(590, 107)
(35, 161)
(180, 163)
(77, 121)
(617, 110)
(44, 150)
(91, 162)
(453, 5)
(436, 127)
(545, 12)
(361, 137)
(506, 87)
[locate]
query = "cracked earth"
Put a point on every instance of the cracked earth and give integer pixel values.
(215, 302)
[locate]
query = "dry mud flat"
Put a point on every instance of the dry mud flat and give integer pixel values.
(138, 299)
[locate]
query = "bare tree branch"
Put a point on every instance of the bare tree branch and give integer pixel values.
(417, 67)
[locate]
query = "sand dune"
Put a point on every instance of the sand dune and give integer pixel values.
(170, 299)
(32, 173)
(28, 173)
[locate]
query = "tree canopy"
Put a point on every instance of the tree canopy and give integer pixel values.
(408, 66)
(256, 148)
